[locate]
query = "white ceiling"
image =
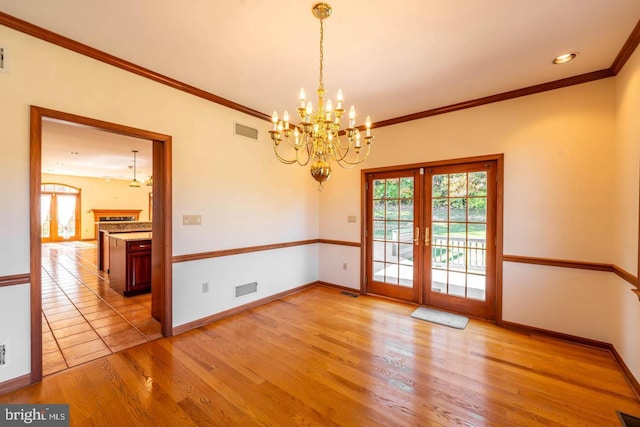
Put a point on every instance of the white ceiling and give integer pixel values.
(390, 58)
(82, 151)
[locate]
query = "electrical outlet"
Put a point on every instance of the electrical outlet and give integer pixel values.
(205, 287)
(3, 354)
(351, 218)
(344, 265)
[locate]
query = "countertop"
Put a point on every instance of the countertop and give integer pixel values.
(122, 222)
(139, 235)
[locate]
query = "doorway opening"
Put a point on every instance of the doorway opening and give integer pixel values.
(161, 289)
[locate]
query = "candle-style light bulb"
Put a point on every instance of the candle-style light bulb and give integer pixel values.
(328, 110)
(358, 139)
(339, 99)
(302, 97)
(309, 111)
(274, 119)
(368, 125)
(296, 134)
(352, 116)
(285, 117)
(279, 128)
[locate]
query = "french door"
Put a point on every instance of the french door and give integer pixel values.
(394, 211)
(431, 236)
(60, 205)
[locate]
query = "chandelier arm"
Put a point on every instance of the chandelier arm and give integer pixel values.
(309, 156)
(359, 159)
(282, 159)
(298, 159)
(341, 152)
(347, 166)
(344, 164)
(285, 161)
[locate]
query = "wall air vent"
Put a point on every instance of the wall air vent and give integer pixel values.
(249, 288)
(246, 131)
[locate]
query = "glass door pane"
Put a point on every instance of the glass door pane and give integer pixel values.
(66, 215)
(393, 235)
(45, 216)
(392, 239)
(459, 234)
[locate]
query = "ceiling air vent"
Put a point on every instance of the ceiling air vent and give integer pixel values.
(246, 131)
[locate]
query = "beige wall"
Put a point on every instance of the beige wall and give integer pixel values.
(245, 197)
(626, 314)
(570, 192)
(98, 193)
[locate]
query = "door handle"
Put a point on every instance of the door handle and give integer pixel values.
(416, 239)
(426, 236)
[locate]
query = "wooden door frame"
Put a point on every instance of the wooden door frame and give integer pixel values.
(499, 159)
(162, 239)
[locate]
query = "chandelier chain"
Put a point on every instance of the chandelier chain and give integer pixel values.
(321, 51)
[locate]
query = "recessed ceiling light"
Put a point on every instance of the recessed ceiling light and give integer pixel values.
(75, 153)
(564, 58)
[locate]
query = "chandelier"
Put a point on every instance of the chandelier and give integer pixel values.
(319, 137)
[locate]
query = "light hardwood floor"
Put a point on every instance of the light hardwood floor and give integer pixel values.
(320, 358)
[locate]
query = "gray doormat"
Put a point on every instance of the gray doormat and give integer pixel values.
(441, 317)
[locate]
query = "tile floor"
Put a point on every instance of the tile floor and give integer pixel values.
(83, 318)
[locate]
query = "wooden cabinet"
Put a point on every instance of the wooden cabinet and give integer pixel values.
(130, 264)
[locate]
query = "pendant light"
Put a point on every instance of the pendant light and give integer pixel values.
(135, 183)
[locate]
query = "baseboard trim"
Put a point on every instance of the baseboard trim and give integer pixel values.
(628, 375)
(553, 334)
(15, 384)
(339, 287)
(239, 309)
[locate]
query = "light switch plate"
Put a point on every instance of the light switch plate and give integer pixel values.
(351, 218)
(191, 219)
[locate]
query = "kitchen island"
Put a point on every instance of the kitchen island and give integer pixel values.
(104, 228)
(130, 262)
